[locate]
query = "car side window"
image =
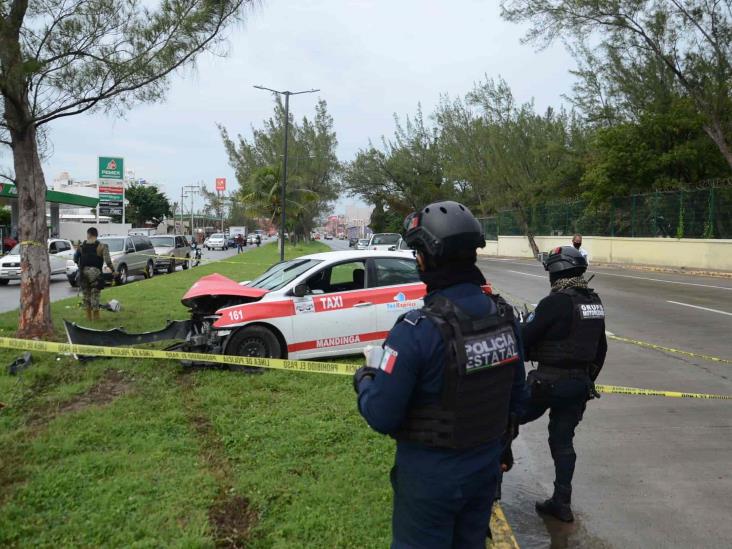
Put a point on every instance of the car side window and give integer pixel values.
(62, 246)
(342, 277)
(52, 249)
(394, 270)
(129, 244)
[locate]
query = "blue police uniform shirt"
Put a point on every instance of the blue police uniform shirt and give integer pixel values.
(415, 378)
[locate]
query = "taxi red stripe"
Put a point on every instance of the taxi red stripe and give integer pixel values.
(307, 345)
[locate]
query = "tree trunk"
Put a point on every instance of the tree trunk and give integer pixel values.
(35, 308)
(528, 232)
(715, 132)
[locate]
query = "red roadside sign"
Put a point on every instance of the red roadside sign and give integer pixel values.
(220, 184)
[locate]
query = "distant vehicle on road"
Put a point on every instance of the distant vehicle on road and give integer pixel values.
(383, 241)
(131, 255)
(328, 236)
(216, 241)
(59, 251)
(362, 244)
(173, 249)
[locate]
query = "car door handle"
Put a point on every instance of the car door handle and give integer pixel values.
(363, 304)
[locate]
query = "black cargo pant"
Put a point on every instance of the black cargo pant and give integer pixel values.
(566, 399)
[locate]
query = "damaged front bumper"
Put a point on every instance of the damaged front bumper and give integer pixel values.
(118, 337)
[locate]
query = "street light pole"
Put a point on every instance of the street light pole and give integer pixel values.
(283, 193)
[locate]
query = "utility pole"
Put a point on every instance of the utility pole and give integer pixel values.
(188, 190)
(283, 193)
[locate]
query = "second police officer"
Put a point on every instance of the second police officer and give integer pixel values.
(443, 386)
(566, 336)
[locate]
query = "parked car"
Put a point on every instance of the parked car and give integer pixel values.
(384, 241)
(174, 249)
(329, 237)
(362, 244)
(131, 255)
(8, 244)
(59, 251)
(216, 241)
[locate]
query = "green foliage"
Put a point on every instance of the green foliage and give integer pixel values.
(313, 168)
(404, 174)
(147, 205)
(145, 465)
(646, 49)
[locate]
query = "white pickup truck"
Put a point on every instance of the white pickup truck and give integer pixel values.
(384, 242)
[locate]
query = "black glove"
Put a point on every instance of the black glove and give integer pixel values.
(362, 373)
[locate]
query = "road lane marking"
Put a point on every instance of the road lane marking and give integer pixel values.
(699, 307)
(526, 274)
(503, 537)
(666, 281)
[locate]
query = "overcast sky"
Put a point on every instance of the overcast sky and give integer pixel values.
(370, 59)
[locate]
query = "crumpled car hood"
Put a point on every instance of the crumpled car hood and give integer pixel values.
(220, 285)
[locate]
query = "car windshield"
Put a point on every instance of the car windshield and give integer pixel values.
(383, 239)
(163, 241)
(15, 250)
(114, 244)
(281, 274)
(364, 241)
(217, 235)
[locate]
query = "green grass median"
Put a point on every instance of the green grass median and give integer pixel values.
(146, 453)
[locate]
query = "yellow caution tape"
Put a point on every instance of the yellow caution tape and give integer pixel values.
(129, 352)
(646, 344)
(656, 347)
(614, 389)
(335, 368)
(203, 260)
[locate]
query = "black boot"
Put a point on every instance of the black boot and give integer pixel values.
(558, 505)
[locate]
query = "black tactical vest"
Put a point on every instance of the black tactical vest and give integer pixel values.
(477, 379)
(90, 256)
(580, 346)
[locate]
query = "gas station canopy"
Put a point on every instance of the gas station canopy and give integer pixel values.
(8, 190)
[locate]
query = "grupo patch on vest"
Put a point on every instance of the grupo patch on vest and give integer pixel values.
(490, 350)
(590, 311)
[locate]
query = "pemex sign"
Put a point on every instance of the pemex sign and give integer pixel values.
(111, 174)
(111, 167)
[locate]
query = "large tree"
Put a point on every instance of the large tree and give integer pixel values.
(60, 58)
(691, 40)
(313, 168)
(147, 205)
(403, 174)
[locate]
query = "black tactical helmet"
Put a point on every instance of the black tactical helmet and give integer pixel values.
(443, 229)
(565, 258)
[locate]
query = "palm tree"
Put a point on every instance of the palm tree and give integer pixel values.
(263, 193)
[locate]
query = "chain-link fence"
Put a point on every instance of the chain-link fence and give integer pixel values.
(703, 213)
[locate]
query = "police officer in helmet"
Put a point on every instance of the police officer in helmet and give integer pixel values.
(443, 386)
(566, 336)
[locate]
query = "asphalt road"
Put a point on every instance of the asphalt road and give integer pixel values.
(651, 471)
(60, 287)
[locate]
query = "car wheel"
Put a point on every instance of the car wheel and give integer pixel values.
(71, 279)
(4, 281)
(171, 266)
(187, 262)
(122, 274)
(254, 341)
(149, 269)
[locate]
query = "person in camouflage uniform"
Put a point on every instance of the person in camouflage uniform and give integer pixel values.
(91, 256)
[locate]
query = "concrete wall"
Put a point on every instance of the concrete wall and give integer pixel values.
(690, 253)
(77, 231)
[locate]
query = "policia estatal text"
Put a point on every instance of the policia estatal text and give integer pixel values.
(443, 386)
(566, 336)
